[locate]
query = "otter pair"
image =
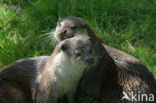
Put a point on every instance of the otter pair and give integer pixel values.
(115, 73)
(45, 79)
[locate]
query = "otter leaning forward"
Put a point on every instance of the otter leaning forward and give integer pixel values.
(116, 71)
(45, 79)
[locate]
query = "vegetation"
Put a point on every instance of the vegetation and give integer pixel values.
(129, 25)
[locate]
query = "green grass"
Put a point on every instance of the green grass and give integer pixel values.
(129, 25)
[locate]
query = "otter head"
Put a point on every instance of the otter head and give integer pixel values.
(78, 50)
(69, 27)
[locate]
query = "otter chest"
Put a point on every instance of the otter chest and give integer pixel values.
(65, 76)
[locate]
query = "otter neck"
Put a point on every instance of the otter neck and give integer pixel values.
(59, 74)
(111, 76)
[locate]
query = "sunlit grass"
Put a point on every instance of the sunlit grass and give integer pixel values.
(128, 25)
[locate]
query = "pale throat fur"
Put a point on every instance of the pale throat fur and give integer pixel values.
(65, 73)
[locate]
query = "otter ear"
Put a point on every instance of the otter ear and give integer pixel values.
(63, 47)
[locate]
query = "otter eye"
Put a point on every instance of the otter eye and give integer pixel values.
(73, 27)
(77, 54)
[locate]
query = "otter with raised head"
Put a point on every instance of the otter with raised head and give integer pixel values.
(64, 68)
(116, 74)
(46, 79)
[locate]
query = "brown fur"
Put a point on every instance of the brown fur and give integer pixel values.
(115, 72)
(17, 81)
(20, 82)
(48, 91)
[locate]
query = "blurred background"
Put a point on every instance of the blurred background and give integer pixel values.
(128, 25)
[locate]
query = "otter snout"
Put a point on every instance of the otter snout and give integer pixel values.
(62, 32)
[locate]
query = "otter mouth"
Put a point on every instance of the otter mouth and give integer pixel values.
(63, 37)
(60, 38)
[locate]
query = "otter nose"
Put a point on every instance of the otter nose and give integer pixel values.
(62, 31)
(90, 60)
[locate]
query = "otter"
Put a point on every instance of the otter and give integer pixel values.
(19, 80)
(64, 68)
(47, 78)
(115, 75)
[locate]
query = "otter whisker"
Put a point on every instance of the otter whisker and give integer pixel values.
(49, 38)
(52, 40)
